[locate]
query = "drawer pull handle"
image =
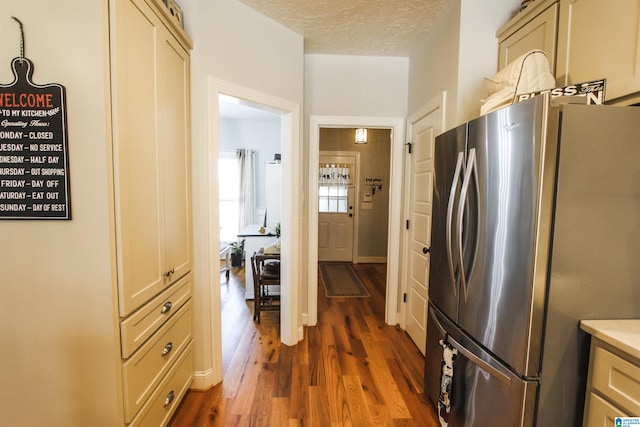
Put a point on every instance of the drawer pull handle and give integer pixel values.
(168, 399)
(167, 349)
(166, 307)
(169, 273)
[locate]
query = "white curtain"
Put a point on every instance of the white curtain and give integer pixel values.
(247, 167)
(334, 175)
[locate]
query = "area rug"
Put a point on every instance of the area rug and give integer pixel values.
(340, 280)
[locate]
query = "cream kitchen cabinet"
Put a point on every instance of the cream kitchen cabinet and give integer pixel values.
(613, 384)
(601, 39)
(533, 28)
(150, 89)
(585, 40)
(150, 70)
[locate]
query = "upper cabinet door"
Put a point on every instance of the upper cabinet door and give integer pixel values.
(600, 39)
(174, 140)
(150, 77)
(535, 30)
(137, 186)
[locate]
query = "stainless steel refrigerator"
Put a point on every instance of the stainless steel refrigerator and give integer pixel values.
(536, 226)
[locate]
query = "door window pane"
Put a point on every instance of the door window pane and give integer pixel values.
(332, 199)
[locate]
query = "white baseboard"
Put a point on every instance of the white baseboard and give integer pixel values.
(372, 259)
(203, 380)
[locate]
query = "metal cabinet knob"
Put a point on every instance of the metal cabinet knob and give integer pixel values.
(167, 349)
(426, 250)
(169, 398)
(166, 307)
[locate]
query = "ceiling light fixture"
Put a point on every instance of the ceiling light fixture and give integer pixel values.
(361, 136)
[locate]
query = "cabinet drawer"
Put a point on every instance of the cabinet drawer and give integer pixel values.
(143, 323)
(602, 413)
(617, 379)
(146, 368)
(165, 399)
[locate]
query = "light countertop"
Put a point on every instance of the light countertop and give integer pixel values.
(623, 334)
(254, 231)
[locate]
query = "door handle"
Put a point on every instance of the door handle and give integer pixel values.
(426, 250)
(471, 168)
(480, 363)
(350, 215)
(449, 237)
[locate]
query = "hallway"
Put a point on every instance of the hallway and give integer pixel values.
(351, 369)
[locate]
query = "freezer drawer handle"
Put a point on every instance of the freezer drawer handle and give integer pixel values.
(454, 184)
(480, 363)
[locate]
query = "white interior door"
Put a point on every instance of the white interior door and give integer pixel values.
(420, 179)
(336, 209)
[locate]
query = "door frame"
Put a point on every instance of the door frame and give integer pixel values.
(397, 126)
(207, 272)
(436, 105)
(356, 195)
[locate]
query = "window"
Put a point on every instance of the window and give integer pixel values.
(228, 196)
(333, 199)
(333, 191)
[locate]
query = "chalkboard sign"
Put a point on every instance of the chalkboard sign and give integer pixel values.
(34, 160)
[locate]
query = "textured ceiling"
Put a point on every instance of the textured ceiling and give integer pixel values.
(355, 27)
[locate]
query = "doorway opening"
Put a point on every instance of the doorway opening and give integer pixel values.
(249, 150)
(395, 129)
(291, 330)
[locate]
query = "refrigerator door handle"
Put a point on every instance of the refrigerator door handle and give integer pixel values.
(454, 184)
(479, 362)
(471, 167)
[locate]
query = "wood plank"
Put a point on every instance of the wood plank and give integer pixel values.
(384, 380)
(356, 401)
(282, 386)
(333, 387)
(319, 406)
(380, 416)
(279, 415)
(299, 400)
(422, 413)
(348, 362)
(263, 397)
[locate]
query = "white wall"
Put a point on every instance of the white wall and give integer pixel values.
(342, 85)
(479, 51)
(59, 359)
(433, 66)
(235, 44)
(457, 54)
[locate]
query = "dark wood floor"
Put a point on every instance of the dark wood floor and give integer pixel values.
(350, 370)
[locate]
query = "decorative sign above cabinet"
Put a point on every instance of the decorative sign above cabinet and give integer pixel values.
(34, 160)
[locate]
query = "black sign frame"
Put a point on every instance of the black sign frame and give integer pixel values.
(34, 152)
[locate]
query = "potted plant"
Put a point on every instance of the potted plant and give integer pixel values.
(277, 232)
(237, 253)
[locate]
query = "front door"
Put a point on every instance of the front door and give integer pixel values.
(419, 226)
(336, 208)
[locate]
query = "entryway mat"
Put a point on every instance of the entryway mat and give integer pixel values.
(340, 280)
